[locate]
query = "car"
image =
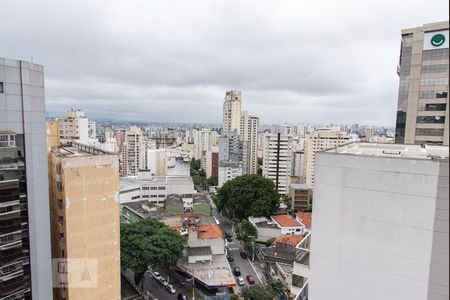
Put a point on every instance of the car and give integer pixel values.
(240, 281)
(182, 297)
(243, 254)
(237, 271)
(156, 275)
(230, 257)
(163, 281)
(170, 289)
(250, 279)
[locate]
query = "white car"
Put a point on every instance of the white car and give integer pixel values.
(240, 281)
(170, 289)
(156, 275)
(163, 281)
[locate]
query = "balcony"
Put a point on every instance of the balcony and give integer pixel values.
(303, 294)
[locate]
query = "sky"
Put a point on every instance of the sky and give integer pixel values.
(172, 61)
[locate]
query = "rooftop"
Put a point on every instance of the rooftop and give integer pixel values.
(194, 251)
(299, 186)
(263, 222)
(146, 209)
(133, 181)
(289, 239)
(209, 231)
(214, 274)
(305, 218)
(393, 150)
(286, 221)
(201, 198)
(174, 199)
(75, 149)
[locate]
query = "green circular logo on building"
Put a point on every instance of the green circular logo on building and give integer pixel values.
(437, 40)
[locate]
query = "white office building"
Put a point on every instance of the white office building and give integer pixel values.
(203, 140)
(380, 223)
(157, 161)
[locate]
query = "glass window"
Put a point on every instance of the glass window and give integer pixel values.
(431, 106)
(429, 132)
(1, 87)
(431, 119)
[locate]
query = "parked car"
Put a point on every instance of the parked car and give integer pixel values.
(237, 271)
(243, 254)
(182, 297)
(250, 279)
(170, 289)
(163, 281)
(230, 257)
(156, 275)
(240, 281)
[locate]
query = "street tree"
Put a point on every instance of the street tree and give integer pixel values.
(247, 195)
(148, 242)
(259, 292)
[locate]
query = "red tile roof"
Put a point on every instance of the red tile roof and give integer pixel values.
(286, 221)
(289, 239)
(305, 218)
(209, 232)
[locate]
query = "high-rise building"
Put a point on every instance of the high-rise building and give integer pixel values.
(92, 130)
(277, 160)
(249, 136)
(157, 161)
(369, 133)
(74, 127)
(132, 153)
(422, 111)
(84, 203)
(210, 162)
(25, 255)
(380, 219)
(232, 108)
(203, 140)
(321, 139)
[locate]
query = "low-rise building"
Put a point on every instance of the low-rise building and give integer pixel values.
(135, 211)
(288, 225)
(300, 195)
(304, 218)
(266, 229)
(154, 188)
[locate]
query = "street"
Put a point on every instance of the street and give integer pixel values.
(157, 291)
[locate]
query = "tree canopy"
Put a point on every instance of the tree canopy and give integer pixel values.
(148, 242)
(244, 230)
(262, 292)
(248, 195)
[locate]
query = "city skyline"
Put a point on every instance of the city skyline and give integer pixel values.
(174, 62)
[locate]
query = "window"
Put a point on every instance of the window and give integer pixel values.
(58, 169)
(153, 188)
(60, 203)
(145, 188)
(431, 106)
(61, 237)
(431, 120)
(161, 188)
(60, 221)
(162, 196)
(429, 132)
(59, 186)
(1, 88)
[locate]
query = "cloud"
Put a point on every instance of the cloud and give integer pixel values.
(296, 61)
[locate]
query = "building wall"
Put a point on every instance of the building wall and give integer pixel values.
(217, 245)
(423, 71)
(91, 225)
(228, 172)
(373, 227)
(22, 110)
(52, 128)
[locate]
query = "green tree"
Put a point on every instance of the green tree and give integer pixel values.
(248, 195)
(259, 292)
(244, 230)
(286, 199)
(213, 181)
(234, 297)
(148, 242)
(195, 164)
(260, 161)
(270, 241)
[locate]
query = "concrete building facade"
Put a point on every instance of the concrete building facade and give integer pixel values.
(380, 219)
(25, 255)
(422, 111)
(74, 127)
(249, 136)
(277, 160)
(157, 161)
(232, 108)
(85, 217)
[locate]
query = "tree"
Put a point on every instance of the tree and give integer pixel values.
(286, 199)
(245, 230)
(148, 242)
(248, 195)
(213, 181)
(195, 164)
(234, 297)
(259, 292)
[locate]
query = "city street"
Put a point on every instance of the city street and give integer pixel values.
(157, 291)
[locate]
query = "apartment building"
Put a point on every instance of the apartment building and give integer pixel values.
(321, 139)
(249, 137)
(157, 161)
(25, 255)
(232, 108)
(203, 140)
(132, 153)
(381, 223)
(74, 127)
(422, 111)
(229, 170)
(85, 218)
(277, 160)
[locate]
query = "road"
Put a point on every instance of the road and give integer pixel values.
(236, 247)
(157, 291)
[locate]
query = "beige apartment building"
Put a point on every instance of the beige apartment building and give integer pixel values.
(321, 139)
(232, 108)
(422, 112)
(133, 152)
(85, 225)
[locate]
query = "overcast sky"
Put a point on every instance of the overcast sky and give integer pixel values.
(172, 61)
